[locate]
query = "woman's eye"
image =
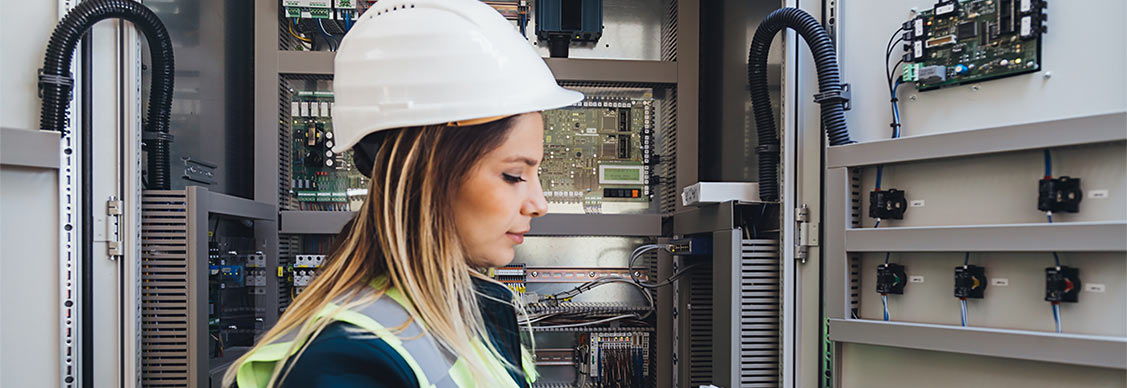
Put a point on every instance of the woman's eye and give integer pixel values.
(512, 178)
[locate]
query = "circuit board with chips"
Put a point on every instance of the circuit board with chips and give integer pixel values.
(959, 42)
(598, 151)
(320, 179)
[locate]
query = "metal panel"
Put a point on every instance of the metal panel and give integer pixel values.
(705, 219)
(1072, 236)
(305, 62)
(603, 70)
(1095, 129)
(238, 207)
(164, 301)
(1107, 352)
(28, 148)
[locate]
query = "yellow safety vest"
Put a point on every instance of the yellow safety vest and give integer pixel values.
(433, 366)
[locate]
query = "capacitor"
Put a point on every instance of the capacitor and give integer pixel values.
(960, 69)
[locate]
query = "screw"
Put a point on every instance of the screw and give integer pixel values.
(975, 88)
(636, 274)
(535, 274)
(591, 274)
(1048, 74)
(912, 97)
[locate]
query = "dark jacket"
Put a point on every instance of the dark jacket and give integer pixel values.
(346, 356)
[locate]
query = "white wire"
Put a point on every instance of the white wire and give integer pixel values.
(884, 301)
(963, 302)
(581, 324)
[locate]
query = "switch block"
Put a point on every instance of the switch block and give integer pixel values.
(970, 281)
(1059, 195)
(891, 279)
(1062, 284)
(887, 204)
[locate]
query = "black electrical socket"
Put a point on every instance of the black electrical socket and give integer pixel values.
(891, 279)
(887, 204)
(1062, 284)
(970, 281)
(1059, 195)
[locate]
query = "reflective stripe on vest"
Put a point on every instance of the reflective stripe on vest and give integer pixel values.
(432, 365)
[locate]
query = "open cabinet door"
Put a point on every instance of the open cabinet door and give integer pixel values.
(973, 284)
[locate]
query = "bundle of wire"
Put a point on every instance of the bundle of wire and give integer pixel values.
(1056, 258)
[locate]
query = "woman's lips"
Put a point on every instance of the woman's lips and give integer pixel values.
(516, 237)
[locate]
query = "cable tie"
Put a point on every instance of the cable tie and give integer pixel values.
(51, 79)
(151, 135)
(768, 148)
(840, 94)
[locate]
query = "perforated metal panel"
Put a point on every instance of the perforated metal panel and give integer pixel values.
(165, 315)
(760, 314)
(699, 321)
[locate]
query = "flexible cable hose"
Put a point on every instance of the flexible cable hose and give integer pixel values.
(829, 79)
(56, 94)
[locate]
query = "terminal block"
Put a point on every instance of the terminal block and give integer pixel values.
(891, 279)
(1062, 284)
(970, 282)
(1059, 195)
(887, 204)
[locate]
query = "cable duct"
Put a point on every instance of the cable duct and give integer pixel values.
(830, 96)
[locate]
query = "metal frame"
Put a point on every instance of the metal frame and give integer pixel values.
(202, 203)
(1101, 351)
(29, 148)
(1096, 129)
(1064, 237)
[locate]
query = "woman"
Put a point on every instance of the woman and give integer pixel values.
(440, 102)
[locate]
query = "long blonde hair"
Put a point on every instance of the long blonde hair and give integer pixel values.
(405, 231)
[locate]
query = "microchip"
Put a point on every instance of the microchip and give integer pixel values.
(967, 30)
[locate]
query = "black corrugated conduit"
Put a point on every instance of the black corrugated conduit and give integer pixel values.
(56, 83)
(829, 87)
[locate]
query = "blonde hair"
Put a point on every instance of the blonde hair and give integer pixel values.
(405, 231)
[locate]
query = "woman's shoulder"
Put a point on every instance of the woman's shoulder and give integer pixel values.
(345, 355)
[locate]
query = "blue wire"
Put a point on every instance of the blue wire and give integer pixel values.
(1056, 316)
(880, 174)
(896, 110)
(966, 260)
(325, 34)
(886, 255)
(347, 20)
(1048, 164)
(1056, 257)
(963, 310)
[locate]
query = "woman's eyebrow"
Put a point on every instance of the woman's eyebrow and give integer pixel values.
(527, 160)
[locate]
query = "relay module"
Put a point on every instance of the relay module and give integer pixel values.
(959, 42)
(320, 179)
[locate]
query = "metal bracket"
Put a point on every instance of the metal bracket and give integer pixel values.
(807, 233)
(113, 228)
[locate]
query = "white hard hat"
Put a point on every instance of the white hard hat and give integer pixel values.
(426, 62)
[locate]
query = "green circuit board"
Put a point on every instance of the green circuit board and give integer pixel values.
(320, 179)
(598, 150)
(959, 42)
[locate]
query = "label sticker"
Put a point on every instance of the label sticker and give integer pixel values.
(917, 203)
(1098, 194)
(919, 28)
(918, 49)
(304, 109)
(1094, 287)
(295, 108)
(916, 279)
(1026, 26)
(1000, 282)
(945, 9)
(1026, 6)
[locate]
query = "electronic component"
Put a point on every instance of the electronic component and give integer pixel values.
(1062, 284)
(958, 42)
(970, 282)
(1061, 194)
(319, 178)
(598, 150)
(933, 74)
(891, 279)
(512, 276)
(613, 359)
(702, 193)
(887, 204)
(308, 261)
(690, 246)
(562, 21)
